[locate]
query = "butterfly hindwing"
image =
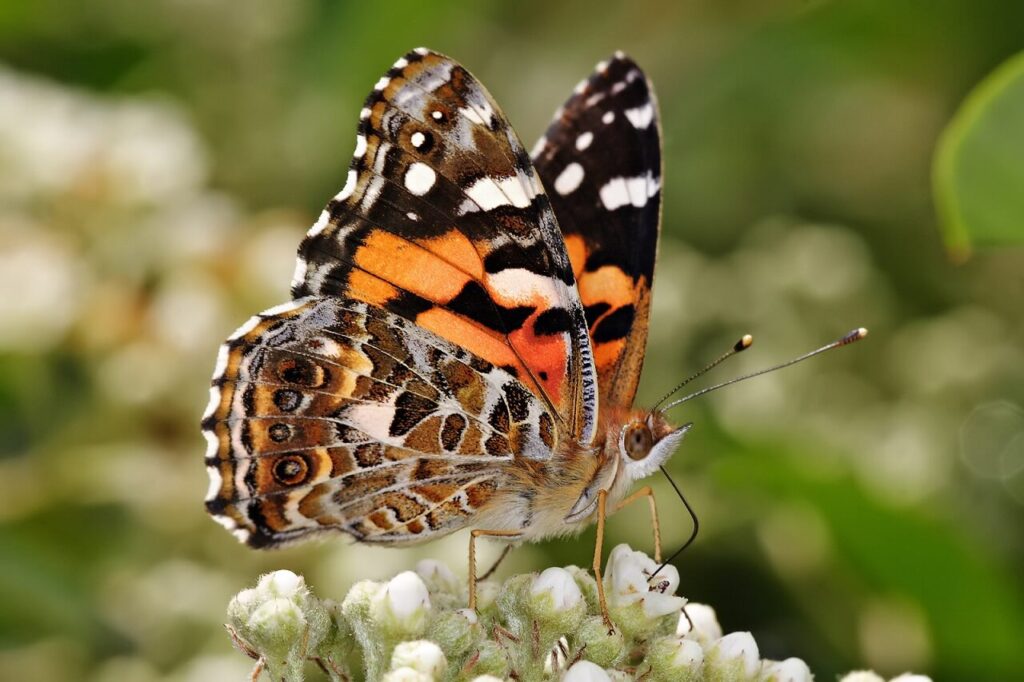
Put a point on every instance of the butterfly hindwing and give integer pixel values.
(601, 160)
(334, 414)
(444, 221)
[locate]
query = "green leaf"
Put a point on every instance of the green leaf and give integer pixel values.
(978, 173)
(972, 603)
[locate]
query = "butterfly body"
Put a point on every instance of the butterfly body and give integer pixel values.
(462, 348)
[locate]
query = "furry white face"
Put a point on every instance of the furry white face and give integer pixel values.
(642, 452)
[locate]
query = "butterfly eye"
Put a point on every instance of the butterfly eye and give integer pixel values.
(638, 440)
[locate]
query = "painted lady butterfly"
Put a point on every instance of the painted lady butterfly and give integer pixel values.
(454, 355)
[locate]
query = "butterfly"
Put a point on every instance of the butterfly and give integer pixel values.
(467, 327)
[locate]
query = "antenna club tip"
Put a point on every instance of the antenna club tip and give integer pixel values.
(857, 334)
(743, 343)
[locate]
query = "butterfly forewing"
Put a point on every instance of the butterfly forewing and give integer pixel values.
(601, 161)
(444, 221)
(334, 414)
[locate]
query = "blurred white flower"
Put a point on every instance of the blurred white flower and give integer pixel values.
(57, 140)
(910, 677)
(41, 287)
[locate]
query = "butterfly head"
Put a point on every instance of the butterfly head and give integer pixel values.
(645, 442)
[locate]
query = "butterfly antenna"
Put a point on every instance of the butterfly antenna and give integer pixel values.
(855, 335)
(738, 347)
(693, 517)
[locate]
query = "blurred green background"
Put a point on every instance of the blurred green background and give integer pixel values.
(160, 161)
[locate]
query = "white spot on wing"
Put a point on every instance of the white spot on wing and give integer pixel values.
(320, 224)
(422, 51)
(401, 63)
(249, 325)
(489, 193)
(635, 191)
(282, 308)
(569, 179)
(350, 186)
(584, 140)
(538, 147)
(214, 402)
(417, 139)
(641, 117)
(419, 178)
(222, 362)
(580, 87)
(364, 113)
(382, 83)
(412, 216)
(521, 285)
(618, 87)
(215, 482)
(437, 115)
(212, 443)
(608, 117)
(360, 146)
(299, 276)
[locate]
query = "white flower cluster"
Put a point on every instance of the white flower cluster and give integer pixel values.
(543, 626)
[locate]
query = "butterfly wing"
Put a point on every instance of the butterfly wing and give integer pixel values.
(435, 337)
(334, 414)
(601, 159)
(444, 221)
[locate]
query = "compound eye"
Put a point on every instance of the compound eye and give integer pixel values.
(638, 440)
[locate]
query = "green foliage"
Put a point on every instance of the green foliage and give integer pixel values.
(979, 166)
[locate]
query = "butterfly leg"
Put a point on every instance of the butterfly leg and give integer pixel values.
(647, 492)
(473, 535)
(602, 502)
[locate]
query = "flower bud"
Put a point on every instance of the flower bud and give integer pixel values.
(455, 631)
(421, 655)
(403, 605)
(675, 658)
(602, 647)
(789, 670)
(637, 601)
(406, 675)
(585, 671)
(276, 620)
(862, 676)
(444, 587)
(555, 590)
(489, 659)
(734, 656)
(699, 622)
(281, 584)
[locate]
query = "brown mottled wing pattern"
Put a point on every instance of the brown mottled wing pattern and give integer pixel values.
(601, 161)
(331, 414)
(443, 221)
